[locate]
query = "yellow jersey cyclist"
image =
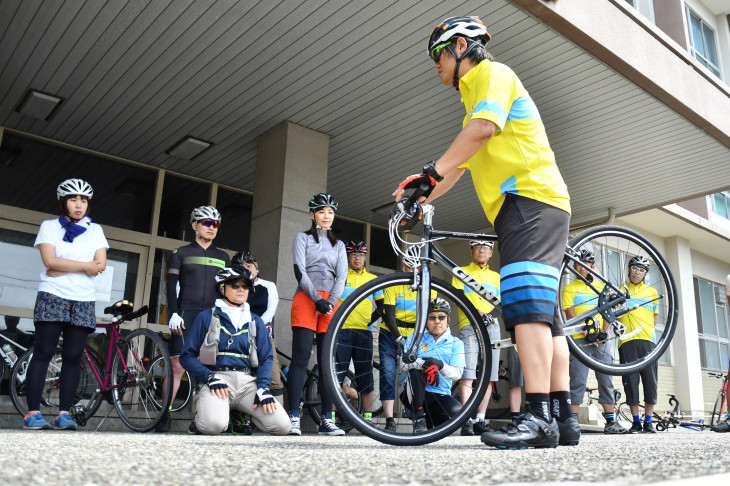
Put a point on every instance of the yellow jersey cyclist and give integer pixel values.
(578, 297)
(440, 361)
(356, 340)
(481, 252)
(637, 341)
(504, 145)
(399, 320)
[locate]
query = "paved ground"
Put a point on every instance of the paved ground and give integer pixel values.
(100, 458)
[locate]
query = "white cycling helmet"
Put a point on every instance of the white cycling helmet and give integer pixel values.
(205, 212)
(74, 187)
(488, 244)
(469, 27)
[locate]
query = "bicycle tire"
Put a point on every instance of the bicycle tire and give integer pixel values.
(133, 386)
(624, 412)
(717, 409)
(87, 392)
(400, 436)
(611, 244)
(184, 392)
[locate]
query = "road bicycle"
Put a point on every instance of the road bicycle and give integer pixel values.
(6, 356)
(185, 391)
(613, 246)
(671, 420)
(127, 380)
(720, 401)
(594, 398)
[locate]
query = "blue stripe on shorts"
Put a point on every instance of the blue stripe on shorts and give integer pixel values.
(529, 288)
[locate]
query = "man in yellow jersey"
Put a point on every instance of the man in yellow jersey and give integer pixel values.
(481, 252)
(356, 340)
(637, 341)
(579, 297)
(399, 321)
(504, 145)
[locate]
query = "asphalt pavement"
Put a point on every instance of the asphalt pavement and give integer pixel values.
(85, 457)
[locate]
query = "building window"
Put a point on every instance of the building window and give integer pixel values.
(702, 43)
(645, 7)
(235, 230)
(711, 307)
(179, 197)
(721, 204)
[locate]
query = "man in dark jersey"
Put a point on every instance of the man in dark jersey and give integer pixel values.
(194, 267)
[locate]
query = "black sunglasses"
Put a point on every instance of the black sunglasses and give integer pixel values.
(239, 285)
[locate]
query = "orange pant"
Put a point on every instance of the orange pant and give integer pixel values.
(304, 313)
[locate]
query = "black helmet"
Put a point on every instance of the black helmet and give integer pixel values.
(439, 304)
(587, 256)
(470, 28)
(234, 273)
(243, 257)
(322, 200)
(356, 247)
(640, 261)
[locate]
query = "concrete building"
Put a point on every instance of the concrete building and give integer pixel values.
(252, 107)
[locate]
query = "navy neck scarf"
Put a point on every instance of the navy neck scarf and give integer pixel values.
(72, 229)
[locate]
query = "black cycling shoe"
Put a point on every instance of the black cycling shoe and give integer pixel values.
(649, 428)
(165, 424)
(480, 426)
(419, 425)
(193, 429)
(569, 432)
(531, 431)
(467, 428)
(635, 428)
(721, 427)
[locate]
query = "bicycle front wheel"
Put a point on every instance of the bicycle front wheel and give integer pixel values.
(442, 421)
(135, 389)
(646, 311)
(158, 373)
(717, 409)
(87, 398)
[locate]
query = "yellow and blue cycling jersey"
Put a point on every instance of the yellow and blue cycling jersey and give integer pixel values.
(639, 322)
(581, 298)
(488, 278)
(404, 301)
(359, 318)
(518, 158)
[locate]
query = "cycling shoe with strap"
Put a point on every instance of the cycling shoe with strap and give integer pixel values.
(530, 431)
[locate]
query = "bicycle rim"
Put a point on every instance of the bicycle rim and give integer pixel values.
(717, 409)
(158, 372)
(134, 387)
(403, 435)
(86, 399)
(613, 247)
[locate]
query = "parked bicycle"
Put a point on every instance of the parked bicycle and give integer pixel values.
(126, 380)
(720, 401)
(594, 398)
(10, 352)
(613, 247)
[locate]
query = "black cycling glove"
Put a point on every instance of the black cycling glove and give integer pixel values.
(323, 306)
(216, 383)
(264, 397)
(433, 362)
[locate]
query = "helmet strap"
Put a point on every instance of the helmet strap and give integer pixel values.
(322, 229)
(468, 49)
(223, 295)
(200, 237)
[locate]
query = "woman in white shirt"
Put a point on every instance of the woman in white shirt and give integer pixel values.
(73, 250)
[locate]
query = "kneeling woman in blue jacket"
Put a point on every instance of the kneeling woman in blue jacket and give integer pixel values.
(440, 361)
(225, 363)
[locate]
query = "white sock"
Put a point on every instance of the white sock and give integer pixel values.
(480, 417)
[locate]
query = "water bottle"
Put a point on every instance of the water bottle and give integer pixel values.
(285, 371)
(10, 354)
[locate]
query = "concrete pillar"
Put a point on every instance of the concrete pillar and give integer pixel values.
(687, 365)
(291, 166)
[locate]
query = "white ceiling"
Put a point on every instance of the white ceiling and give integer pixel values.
(137, 76)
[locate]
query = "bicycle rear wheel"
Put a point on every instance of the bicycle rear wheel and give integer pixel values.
(134, 386)
(403, 434)
(717, 409)
(613, 247)
(87, 398)
(313, 400)
(158, 372)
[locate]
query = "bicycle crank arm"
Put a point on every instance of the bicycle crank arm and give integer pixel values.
(502, 343)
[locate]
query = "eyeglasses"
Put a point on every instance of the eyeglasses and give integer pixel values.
(209, 223)
(437, 51)
(239, 285)
(637, 269)
(441, 317)
(357, 255)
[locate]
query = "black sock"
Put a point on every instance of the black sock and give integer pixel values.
(560, 401)
(538, 404)
(514, 415)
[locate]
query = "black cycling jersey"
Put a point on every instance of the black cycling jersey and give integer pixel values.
(195, 268)
(258, 299)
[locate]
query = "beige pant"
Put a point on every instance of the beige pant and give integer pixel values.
(212, 412)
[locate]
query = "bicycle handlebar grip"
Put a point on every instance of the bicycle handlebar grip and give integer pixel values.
(138, 313)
